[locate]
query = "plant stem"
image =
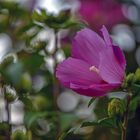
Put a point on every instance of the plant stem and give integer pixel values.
(126, 115)
(55, 81)
(8, 110)
(56, 86)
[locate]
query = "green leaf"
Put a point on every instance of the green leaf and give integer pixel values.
(101, 107)
(136, 89)
(106, 122)
(10, 71)
(26, 101)
(33, 62)
(109, 122)
(91, 101)
(31, 117)
(70, 131)
(66, 120)
(134, 103)
(61, 21)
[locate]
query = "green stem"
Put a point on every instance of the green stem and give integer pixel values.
(56, 86)
(8, 110)
(126, 115)
(55, 81)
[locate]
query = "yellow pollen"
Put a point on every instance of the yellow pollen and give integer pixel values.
(94, 69)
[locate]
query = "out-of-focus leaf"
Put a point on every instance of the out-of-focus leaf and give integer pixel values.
(66, 120)
(101, 107)
(19, 135)
(106, 122)
(26, 28)
(33, 62)
(91, 101)
(134, 103)
(61, 21)
(31, 117)
(14, 9)
(136, 89)
(26, 101)
(13, 73)
(70, 131)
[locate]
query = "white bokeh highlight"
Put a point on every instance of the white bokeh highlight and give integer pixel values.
(67, 101)
(123, 36)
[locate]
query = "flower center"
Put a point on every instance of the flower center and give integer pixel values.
(94, 69)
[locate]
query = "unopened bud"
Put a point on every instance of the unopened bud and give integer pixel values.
(128, 80)
(19, 135)
(7, 61)
(115, 108)
(40, 103)
(26, 81)
(137, 76)
(10, 94)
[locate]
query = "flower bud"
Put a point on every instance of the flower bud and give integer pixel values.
(128, 80)
(7, 61)
(115, 108)
(137, 76)
(40, 103)
(19, 135)
(26, 81)
(10, 94)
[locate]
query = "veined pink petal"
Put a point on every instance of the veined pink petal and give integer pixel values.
(117, 51)
(76, 71)
(105, 86)
(106, 36)
(87, 45)
(94, 90)
(120, 56)
(86, 90)
(110, 69)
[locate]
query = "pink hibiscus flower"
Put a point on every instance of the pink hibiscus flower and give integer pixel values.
(96, 66)
(101, 12)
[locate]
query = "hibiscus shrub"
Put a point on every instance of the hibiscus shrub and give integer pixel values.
(76, 86)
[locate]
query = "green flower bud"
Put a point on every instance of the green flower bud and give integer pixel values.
(7, 61)
(10, 94)
(40, 103)
(128, 80)
(115, 107)
(19, 135)
(137, 76)
(26, 81)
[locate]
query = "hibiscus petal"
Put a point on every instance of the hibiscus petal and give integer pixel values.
(106, 36)
(109, 68)
(87, 45)
(76, 71)
(105, 87)
(94, 90)
(120, 56)
(86, 90)
(117, 51)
